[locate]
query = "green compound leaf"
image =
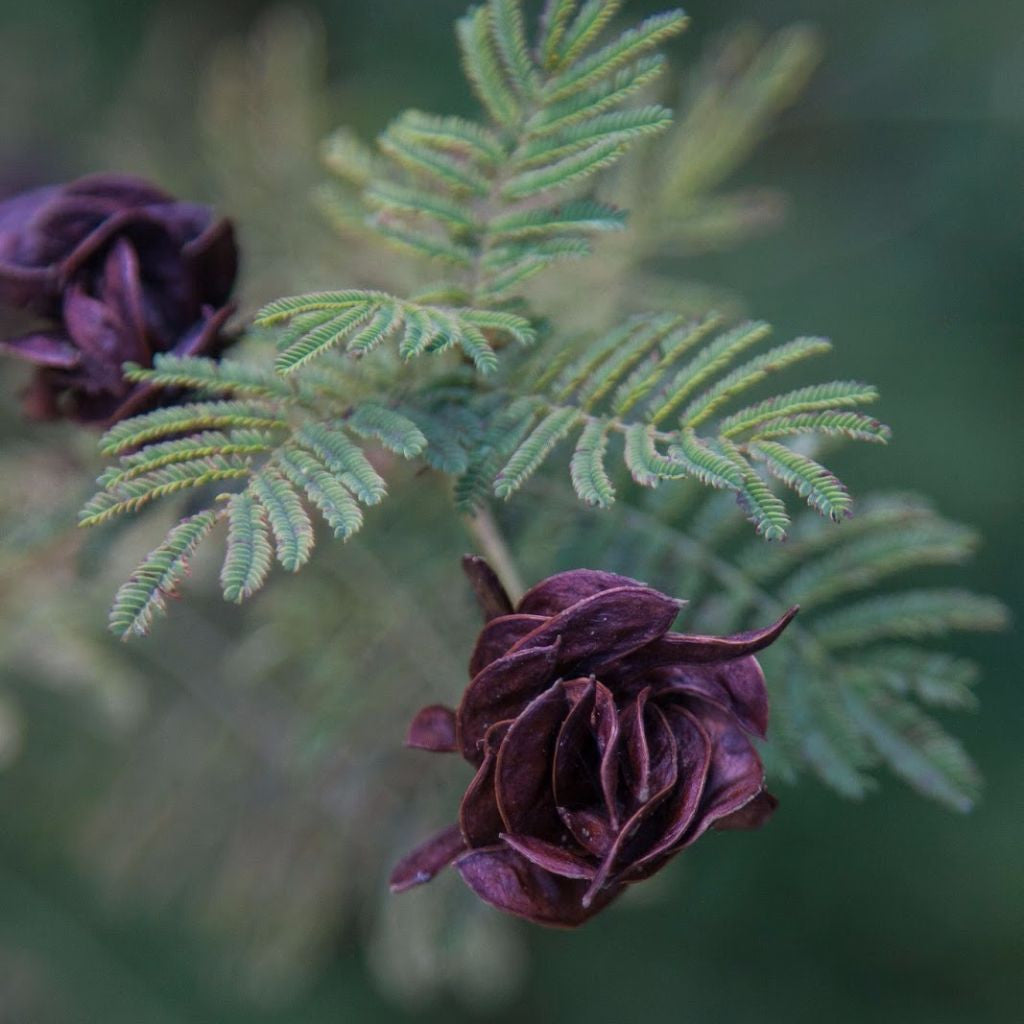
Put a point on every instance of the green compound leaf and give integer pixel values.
(639, 378)
(249, 553)
(157, 578)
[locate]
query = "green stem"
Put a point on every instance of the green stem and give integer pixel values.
(488, 536)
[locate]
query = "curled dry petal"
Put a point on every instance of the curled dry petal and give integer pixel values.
(550, 856)
(501, 691)
(499, 636)
(565, 589)
(735, 775)
(604, 627)
(433, 728)
(604, 743)
(490, 594)
(427, 859)
(678, 648)
(522, 784)
(505, 879)
(737, 687)
(479, 817)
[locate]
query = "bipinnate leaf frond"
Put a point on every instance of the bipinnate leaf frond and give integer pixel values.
(271, 448)
(360, 321)
(256, 451)
(664, 386)
(497, 203)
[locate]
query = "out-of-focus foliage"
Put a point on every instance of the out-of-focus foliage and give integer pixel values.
(46, 629)
(679, 189)
(285, 756)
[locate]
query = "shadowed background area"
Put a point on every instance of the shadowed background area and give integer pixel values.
(903, 168)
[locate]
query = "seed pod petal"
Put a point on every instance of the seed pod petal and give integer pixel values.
(427, 859)
(604, 627)
(737, 687)
(433, 728)
(565, 589)
(479, 817)
(505, 879)
(499, 636)
(490, 594)
(502, 691)
(550, 857)
(522, 783)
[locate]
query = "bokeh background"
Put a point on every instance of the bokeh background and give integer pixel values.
(903, 164)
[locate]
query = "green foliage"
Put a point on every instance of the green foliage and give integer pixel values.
(496, 204)
(268, 440)
(249, 554)
(492, 444)
(656, 380)
(364, 319)
(852, 676)
(157, 578)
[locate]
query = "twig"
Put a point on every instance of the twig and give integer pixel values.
(493, 547)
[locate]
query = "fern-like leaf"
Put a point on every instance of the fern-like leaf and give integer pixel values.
(187, 419)
(918, 750)
(918, 614)
(396, 432)
(249, 553)
(455, 191)
(323, 489)
(629, 46)
(157, 578)
(589, 475)
(484, 69)
(288, 519)
(363, 320)
(534, 449)
(651, 370)
(261, 454)
(822, 489)
(345, 459)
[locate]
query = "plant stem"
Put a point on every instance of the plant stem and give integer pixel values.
(493, 547)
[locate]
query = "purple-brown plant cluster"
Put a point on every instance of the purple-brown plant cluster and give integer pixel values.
(117, 271)
(603, 743)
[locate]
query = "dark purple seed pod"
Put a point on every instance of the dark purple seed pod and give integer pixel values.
(117, 271)
(603, 744)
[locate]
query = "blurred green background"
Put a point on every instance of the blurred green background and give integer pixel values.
(904, 168)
